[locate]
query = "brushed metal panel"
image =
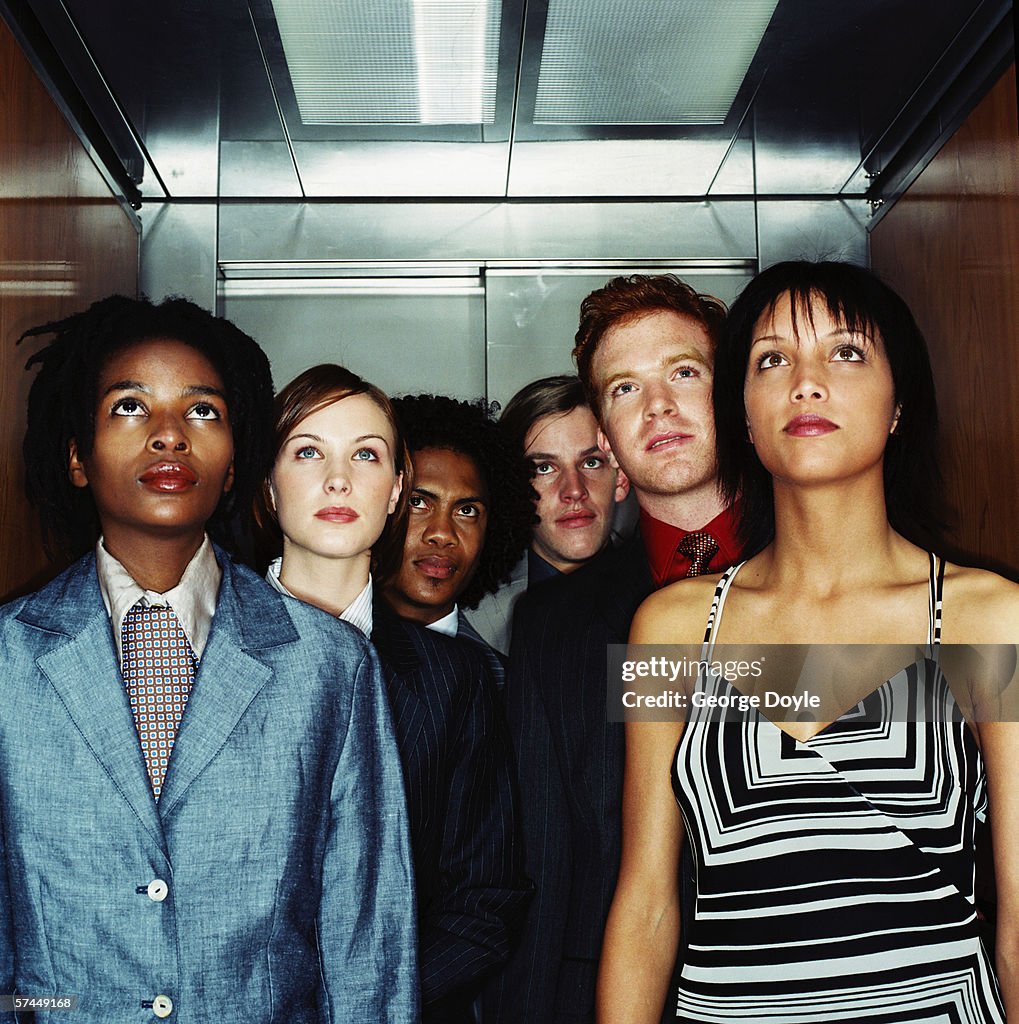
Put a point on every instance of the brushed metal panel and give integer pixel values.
(486, 231)
(179, 252)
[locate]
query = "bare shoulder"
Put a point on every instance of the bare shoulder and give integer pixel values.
(979, 607)
(676, 614)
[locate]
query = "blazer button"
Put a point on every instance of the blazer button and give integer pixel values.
(157, 890)
(162, 1006)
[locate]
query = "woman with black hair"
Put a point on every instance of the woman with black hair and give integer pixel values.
(201, 806)
(834, 855)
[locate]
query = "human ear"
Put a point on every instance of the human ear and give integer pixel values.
(75, 467)
(622, 485)
(394, 496)
(603, 444)
(229, 481)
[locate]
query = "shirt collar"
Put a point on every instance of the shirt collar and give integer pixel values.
(538, 570)
(193, 599)
(448, 624)
(358, 613)
(661, 541)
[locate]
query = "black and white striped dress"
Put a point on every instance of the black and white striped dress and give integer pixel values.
(835, 876)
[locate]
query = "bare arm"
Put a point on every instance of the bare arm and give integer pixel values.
(1000, 743)
(642, 933)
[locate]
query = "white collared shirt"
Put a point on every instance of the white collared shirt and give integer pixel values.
(448, 624)
(193, 599)
(358, 613)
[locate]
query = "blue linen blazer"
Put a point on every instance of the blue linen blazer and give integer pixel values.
(282, 831)
(461, 794)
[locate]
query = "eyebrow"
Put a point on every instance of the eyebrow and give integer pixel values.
(189, 392)
(691, 356)
(475, 499)
(321, 440)
(549, 457)
(841, 332)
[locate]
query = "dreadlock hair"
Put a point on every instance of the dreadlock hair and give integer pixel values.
(62, 407)
(307, 393)
(861, 302)
(435, 421)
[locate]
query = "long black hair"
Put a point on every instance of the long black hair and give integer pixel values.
(62, 406)
(860, 301)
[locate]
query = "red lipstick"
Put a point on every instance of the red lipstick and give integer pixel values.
(169, 477)
(337, 514)
(809, 425)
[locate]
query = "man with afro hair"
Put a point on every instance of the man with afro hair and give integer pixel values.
(471, 514)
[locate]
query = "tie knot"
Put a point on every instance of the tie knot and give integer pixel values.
(700, 548)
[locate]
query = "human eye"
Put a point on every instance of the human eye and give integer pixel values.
(306, 452)
(468, 511)
(128, 407)
(543, 468)
(770, 359)
(592, 462)
(686, 372)
(366, 455)
(203, 411)
(417, 502)
(622, 388)
(848, 354)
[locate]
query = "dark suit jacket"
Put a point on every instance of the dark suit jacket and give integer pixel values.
(461, 796)
(571, 771)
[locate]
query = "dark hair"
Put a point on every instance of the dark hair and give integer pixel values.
(435, 421)
(862, 302)
(545, 397)
(314, 389)
(62, 406)
(625, 299)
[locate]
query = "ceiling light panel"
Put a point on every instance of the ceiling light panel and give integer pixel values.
(391, 61)
(647, 62)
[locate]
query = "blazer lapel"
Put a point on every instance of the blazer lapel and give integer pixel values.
(249, 615)
(402, 671)
(84, 672)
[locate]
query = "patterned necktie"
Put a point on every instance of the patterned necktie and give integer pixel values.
(158, 666)
(700, 548)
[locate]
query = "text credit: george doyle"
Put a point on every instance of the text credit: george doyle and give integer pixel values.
(854, 684)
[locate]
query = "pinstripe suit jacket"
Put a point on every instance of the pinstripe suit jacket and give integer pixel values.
(461, 795)
(571, 770)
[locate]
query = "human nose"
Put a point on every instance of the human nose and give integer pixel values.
(809, 383)
(658, 399)
(573, 487)
(169, 433)
(439, 529)
(337, 480)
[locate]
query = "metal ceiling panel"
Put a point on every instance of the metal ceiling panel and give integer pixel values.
(656, 62)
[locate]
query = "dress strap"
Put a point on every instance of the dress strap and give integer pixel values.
(717, 604)
(936, 587)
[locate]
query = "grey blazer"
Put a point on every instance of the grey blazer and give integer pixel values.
(281, 837)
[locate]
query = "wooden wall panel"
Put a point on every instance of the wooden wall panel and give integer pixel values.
(950, 246)
(64, 242)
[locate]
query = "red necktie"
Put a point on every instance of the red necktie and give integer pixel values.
(158, 666)
(700, 548)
